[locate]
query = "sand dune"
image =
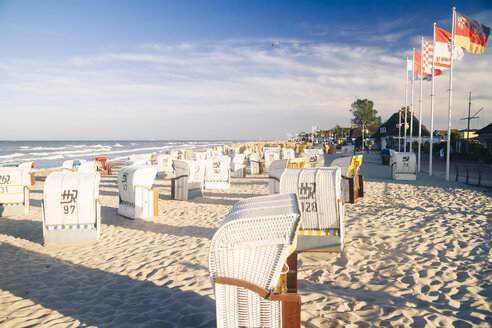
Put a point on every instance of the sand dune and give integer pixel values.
(417, 254)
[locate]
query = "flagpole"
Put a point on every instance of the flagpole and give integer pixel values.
(399, 128)
(420, 102)
(405, 125)
(432, 101)
(448, 150)
(411, 104)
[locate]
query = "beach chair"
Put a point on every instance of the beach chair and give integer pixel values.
(87, 166)
(403, 166)
(147, 157)
(218, 172)
(271, 154)
(247, 264)
(288, 153)
(314, 157)
(165, 165)
(137, 198)
(198, 156)
(238, 168)
(348, 150)
(255, 163)
(14, 191)
(296, 163)
(189, 180)
(276, 169)
(352, 186)
(102, 165)
(71, 208)
(321, 205)
(138, 162)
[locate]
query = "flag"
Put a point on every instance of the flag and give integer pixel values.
(443, 49)
(470, 34)
(410, 69)
(427, 49)
(416, 67)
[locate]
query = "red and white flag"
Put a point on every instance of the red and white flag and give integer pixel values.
(427, 50)
(443, 50)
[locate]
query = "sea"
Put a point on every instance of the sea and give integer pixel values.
(52, 154)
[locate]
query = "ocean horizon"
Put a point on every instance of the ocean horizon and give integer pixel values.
(50, 154)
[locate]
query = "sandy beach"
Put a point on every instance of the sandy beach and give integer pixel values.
(417, 254)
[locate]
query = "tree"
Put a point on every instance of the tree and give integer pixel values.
(364, 114)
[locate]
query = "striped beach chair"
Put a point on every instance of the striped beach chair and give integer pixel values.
(321, 205)
(247, 263)
(137, 198)
(14, 190)
(71, 208)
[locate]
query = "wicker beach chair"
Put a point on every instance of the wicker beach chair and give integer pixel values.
(271, 154)
(71, 208)
(238, 168)
(314, 157)
(323, 210)
(247, 263)
(14, 191)
(137, 198)
(403, 166)
(274, 173)
(217, 172)
(189, 180)
(255, 163)
(352, 186)
(288, 153)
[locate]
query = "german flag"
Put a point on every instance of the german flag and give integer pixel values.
(470, 34)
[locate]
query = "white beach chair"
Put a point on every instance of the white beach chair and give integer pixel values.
(198, 156)
(73, 164)
(189, 180)
(348, 150)
(28, 166)
(270, 155)
(165, 166)
(352, 186)
(274, 173)
(218, 173)
(137, 198)
(71, 208)
(247, 264)
(14, 191)
(288, 153)
(136, 157)
(403, 166)
(255, 163)
(87, 167)
(238, 168)
(323, 210)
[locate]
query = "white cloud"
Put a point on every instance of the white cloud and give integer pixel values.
(241, 89)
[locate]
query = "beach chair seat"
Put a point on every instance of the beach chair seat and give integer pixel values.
(403, 166)
(323, 210)
(274, 173)
(217, 172)
(255, 163)
(14, 191)
(137, 198)
(165, 165)
(189, 180)
(352, 186)
(238, 168)
(71, 208)
(247, 263)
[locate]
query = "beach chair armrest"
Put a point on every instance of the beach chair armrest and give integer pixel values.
(258, 290)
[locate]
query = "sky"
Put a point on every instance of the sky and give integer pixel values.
(212, 70)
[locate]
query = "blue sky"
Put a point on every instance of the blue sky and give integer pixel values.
(208, 70)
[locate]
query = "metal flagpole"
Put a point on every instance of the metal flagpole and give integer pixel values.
(448, 150)
(399, 130)
(405, 125)
(432, 102)
(411, 104)
(420, 102)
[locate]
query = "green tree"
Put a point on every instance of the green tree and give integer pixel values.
(364, 114)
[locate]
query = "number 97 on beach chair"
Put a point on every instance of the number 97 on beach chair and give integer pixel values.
(248, 264)
(71, 208)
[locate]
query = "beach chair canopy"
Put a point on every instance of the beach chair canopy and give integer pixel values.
(349, 166)
(193, 170)
(165, 163)
(131, 176)
(70, 198)
(89, 166)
